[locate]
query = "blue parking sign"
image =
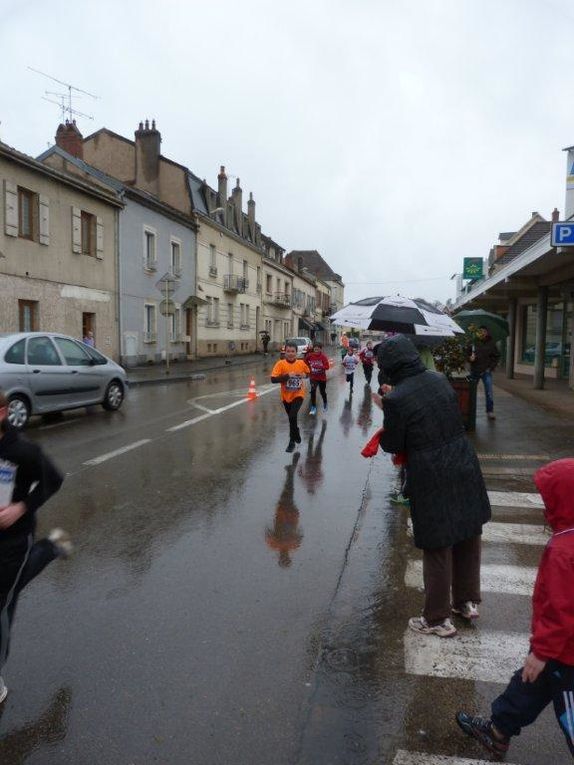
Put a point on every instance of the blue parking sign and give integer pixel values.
(562, 235)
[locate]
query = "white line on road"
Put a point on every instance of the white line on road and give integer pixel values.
(418, 758)
(117, 452)
(212, 412)
(508, 533)
(511, 580)
(513, 457)
(487, 656)
(515, 499)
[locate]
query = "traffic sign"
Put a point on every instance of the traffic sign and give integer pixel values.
(167, 308)
(562, 235)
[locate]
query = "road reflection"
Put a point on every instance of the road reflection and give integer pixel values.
(285, 536)
(310, 471)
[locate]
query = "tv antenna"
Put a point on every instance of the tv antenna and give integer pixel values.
(65, 99)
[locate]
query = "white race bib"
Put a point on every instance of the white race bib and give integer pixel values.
(7, 481)
(294, 383)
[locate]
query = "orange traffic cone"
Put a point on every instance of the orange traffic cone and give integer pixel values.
(252, 392)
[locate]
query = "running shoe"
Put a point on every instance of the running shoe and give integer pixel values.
(398, 498)
(3, 690)
(62, 542)
(313, 410)
(482, 730)
(290, 446)
(298, 438)
(468, 610)
(445, 629)
(325, 408)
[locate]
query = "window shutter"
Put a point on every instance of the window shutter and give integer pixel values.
(10, 208)
(76, 230)
(99, 238)
(44, 220)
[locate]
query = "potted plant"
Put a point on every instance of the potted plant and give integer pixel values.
(450, 358)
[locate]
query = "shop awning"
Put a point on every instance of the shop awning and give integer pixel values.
(193, 300)
(307, 324)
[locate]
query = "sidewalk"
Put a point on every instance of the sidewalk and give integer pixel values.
(556, 397)
(192, 370)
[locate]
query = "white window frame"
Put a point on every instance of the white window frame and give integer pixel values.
(174, 241)
(175, 325)
(150, 335)
(147, 264)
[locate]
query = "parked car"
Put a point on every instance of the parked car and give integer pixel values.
(303, 344)
(43, 372)
(553, 351)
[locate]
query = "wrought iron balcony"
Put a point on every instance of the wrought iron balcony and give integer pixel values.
(234, 283)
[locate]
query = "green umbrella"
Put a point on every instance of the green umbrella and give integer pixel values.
(496, 325)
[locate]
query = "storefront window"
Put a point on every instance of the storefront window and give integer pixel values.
(557, 336)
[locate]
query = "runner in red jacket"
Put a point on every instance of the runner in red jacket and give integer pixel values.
(548, 672)
(318, 363)
(367, 356)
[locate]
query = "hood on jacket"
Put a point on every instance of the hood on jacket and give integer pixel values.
(555, 482)
(398, 358)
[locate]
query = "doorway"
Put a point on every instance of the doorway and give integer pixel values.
(188, 331)
(89, 326)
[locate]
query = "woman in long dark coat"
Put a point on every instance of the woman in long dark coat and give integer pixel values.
(448, 499)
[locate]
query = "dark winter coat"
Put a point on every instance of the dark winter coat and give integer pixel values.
(447, 494)
(486, 356)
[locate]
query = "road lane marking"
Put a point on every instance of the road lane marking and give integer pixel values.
(511, 580)
(515, 499)
(508, 533)
(418, 758)
(117, 452)
(487, 656)
(496, 470)
(513, 457)
(212, 412)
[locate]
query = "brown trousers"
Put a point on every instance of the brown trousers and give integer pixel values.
(455, 568)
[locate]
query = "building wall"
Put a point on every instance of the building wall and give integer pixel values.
(215, 339)
(137, 282)
(110, 154)
(277, 316)
(64, 283)
(306, 310)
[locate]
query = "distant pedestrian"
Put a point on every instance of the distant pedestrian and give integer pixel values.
(354, 343)
(27, 480)
(89, 339)
(484, 357)
(367, 357)
(318, 363)
(265, 339)
(448, 499)
(548, 672)
(350, 362)
(344, 344)
(290, 373)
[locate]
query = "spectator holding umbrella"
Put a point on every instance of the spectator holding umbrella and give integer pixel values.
(448, 499)
(483, 357)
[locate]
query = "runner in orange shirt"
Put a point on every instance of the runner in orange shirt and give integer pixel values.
(291, 372)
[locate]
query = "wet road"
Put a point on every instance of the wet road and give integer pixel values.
(230, 603)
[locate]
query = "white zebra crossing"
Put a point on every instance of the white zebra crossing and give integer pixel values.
(418, 758)
(509, 580)
(515, 499)
(509, 533)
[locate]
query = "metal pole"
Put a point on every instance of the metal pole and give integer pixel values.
(511, 340)
(167, 323)
(540, 349)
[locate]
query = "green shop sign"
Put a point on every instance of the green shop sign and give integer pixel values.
(472, 268)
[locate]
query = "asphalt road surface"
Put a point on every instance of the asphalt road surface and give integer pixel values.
(231, 603)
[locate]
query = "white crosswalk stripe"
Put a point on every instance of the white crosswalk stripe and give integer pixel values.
(515, 499)
(510, 533)
(487, 656)
(509, 580)
(418, 758)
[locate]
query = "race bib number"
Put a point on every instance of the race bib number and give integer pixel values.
(316, 368)
(7, 481)
(294, 383)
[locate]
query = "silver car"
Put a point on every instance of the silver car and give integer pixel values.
(44, 372)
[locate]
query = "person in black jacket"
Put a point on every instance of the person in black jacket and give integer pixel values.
(448, 499)
(484, 356)
(27, 480)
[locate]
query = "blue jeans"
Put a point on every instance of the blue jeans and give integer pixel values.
(486, 378)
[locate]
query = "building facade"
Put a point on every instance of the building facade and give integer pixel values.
(58, 252)
(277, 294)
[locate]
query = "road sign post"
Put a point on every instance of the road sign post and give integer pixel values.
(167, 285)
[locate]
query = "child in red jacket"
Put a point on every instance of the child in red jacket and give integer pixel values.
(318, 363)
(548, 672)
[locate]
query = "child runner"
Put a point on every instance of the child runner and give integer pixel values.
(27, 480)
(548, 672)
(350, 362)
(318, 363)
(290, 372)
(367, 356)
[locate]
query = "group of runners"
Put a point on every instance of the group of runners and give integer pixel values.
(291, 371)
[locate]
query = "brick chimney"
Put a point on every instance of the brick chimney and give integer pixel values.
(69, 138)
(148, 142)
(237, 199)
(251, 212)
(555, 215)
(222, 188)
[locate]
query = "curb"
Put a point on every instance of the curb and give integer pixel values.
(187, 377)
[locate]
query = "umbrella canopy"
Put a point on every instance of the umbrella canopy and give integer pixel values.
(398, 314)
(496, 325)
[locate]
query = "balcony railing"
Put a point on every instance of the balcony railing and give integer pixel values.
(212, 322)
(234, 283)
(282, 299)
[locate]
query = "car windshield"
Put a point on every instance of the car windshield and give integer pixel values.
(298, 340)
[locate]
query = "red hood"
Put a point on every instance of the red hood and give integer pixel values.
(555, 482)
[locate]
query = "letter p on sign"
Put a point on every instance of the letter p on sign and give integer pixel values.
(564, 233)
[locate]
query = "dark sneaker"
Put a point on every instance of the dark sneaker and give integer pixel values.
(290, 447)
(62, 542)
(298, 439)
(481, 729)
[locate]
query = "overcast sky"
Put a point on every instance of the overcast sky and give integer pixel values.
(394, 136)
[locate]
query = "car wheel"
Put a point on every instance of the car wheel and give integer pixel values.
(18, 411)
(114, 396)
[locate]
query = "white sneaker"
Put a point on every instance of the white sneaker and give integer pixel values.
(445, 629)
(468, 610)
(62, 542)
(3, 690)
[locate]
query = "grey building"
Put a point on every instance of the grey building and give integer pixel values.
(154, 239)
